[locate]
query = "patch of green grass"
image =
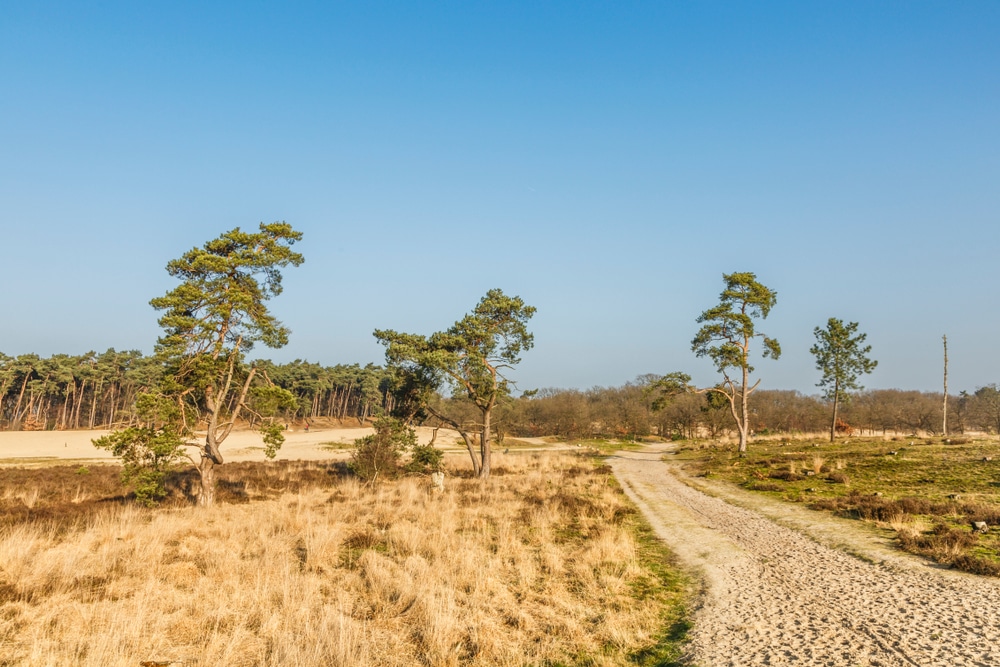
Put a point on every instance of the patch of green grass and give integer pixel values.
(669, 585)
(335, 446)
(923, 488)
(606, 446)
(514, 443)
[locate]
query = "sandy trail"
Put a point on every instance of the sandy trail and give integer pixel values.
(777, 595)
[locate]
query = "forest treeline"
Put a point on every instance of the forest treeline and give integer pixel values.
(628, 411)
(94, 390)
(98, 390)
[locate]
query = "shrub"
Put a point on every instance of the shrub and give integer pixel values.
(764, 486)
(944, 544)
(379, 454)
(424, 459)
(147, 454)
(149, 451)
(981, 512)
(786, 475)
(976, 565)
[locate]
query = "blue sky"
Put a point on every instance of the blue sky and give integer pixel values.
(607, 162)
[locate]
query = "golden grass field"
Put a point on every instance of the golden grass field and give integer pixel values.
(545, 563)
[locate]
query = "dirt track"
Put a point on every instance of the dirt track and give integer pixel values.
(773, 595)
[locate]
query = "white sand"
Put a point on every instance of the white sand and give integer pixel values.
(24, 447)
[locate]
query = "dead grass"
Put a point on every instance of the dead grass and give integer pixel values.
(545, 563)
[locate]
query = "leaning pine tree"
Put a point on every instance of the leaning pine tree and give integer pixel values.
(210, 321)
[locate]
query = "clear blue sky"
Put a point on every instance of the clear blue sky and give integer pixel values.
(608, 162)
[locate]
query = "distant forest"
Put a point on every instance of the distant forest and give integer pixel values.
(98, 390)
(94, 390)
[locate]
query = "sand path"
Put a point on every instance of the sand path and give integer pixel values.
(781, 586)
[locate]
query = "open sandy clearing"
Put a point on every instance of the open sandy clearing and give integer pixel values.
(316, 444)
(23, 447)
(776, 596)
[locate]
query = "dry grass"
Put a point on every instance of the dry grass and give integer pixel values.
(545, 563)
(818, 465)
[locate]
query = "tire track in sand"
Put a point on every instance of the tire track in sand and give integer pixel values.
(773, 596)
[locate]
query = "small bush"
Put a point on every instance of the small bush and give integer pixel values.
(944, 544)
(425, 459)
(915, 505)
(764, 486)
(379, 454)
(981, 512)
(786, 475)
(976, 565)
(148, 454)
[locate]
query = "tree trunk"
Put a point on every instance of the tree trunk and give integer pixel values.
(16, 420)
(3, 394)
(210, 454)
(29, 409)
(944, 419)
(484, 446)
(836, 402)
(111, 401)
(472, 453)
(207, 473)
(742, 447)
(210, 457)
(344, 403)
(62, 419)
(744, 423)
(833, 424)
(93, 405)
(79, 403)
